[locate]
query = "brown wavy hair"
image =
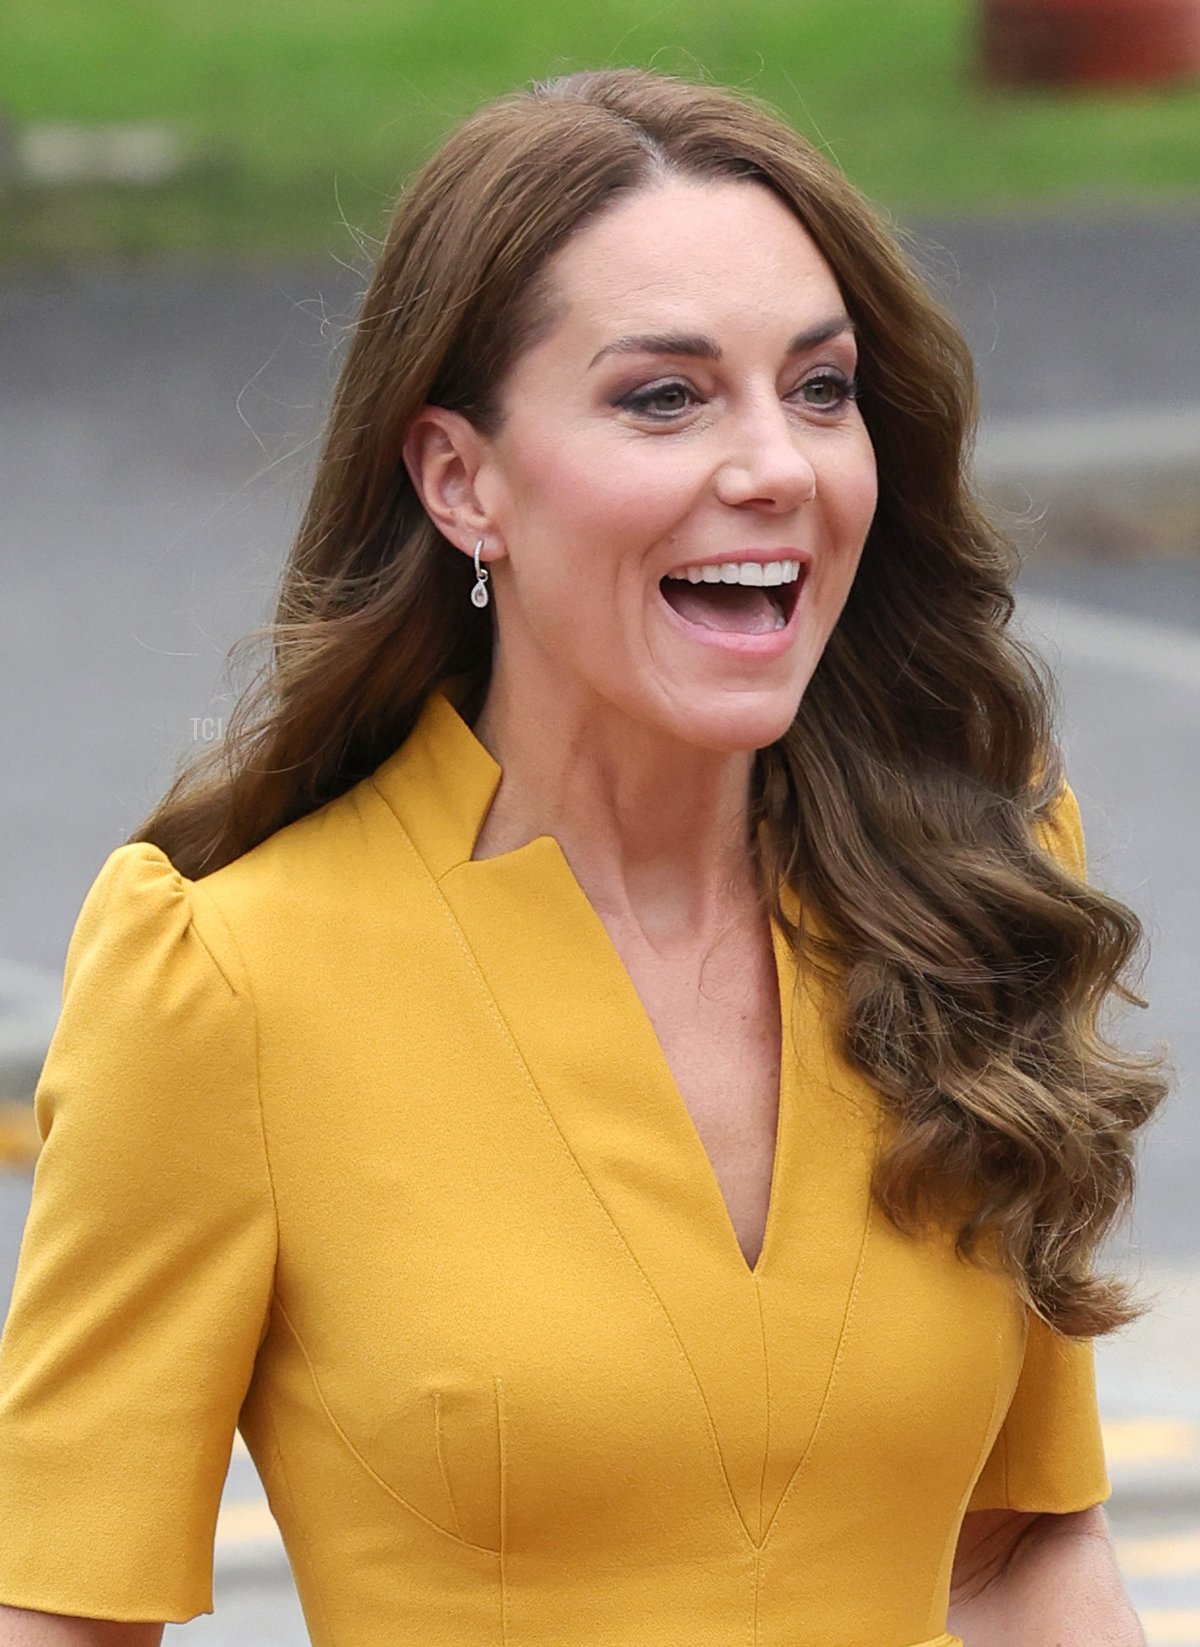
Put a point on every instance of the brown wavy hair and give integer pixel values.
(905, 800)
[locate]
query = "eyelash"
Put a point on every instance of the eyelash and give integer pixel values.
(641, 400)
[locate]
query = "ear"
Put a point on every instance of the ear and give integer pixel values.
(443, 453)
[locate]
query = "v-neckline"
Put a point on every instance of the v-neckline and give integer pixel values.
(674, 1094)
(571, 1036)
(681, 1114)
(466, 778)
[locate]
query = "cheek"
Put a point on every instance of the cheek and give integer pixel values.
(851, 493)
(851, 496)
(612, 496)
(578, 523)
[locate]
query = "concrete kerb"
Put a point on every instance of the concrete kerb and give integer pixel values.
(1105, 484)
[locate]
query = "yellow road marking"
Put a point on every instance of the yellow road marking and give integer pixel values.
(246, 1521)
(1171, 1626)
(1150, 1440)
(20, 1140)
(1159, 1557)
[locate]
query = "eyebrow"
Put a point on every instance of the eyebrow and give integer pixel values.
(699, 347)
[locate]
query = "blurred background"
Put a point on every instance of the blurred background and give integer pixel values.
(190, 202)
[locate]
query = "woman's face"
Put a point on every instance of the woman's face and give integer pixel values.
(690, 417)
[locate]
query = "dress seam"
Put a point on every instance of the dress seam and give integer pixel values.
(358, 1457)
(502, 1450)
(500, 1020)
(298, 1520)
(965, 1500)
(839, 1355)
(762, 1478)
(441, 1458)
(260, 1107)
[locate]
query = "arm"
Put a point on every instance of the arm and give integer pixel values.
(145, 1275)
(20, 1627)
(1039, 1580)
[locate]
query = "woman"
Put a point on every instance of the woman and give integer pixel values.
(600, 1081)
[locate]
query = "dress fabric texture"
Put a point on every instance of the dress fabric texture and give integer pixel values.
(369, 1149)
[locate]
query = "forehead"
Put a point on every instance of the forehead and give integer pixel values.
(693, 251)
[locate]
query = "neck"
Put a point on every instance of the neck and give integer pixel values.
(655, 830)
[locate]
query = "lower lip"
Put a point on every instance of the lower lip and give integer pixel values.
(770, 644)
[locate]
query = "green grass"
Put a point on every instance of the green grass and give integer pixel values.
(306, 114)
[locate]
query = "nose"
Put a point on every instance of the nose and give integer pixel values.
(765, 464)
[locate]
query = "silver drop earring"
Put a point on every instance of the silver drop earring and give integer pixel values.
(479, 594)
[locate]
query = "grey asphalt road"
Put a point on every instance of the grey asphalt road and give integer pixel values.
(156, 435)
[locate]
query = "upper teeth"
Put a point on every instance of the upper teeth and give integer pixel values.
(741, 571)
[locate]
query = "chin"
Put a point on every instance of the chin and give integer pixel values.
(743, 722)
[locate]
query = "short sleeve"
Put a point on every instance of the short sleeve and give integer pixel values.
(1049, 1454)
(147, 1263)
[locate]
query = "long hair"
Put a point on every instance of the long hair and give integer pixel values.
(904, 801)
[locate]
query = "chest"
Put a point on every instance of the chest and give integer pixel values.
(717, 1019)
(508, 1285)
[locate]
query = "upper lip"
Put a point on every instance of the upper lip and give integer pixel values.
(760, 556)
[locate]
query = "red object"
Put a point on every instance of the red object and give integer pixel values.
(1108, 42)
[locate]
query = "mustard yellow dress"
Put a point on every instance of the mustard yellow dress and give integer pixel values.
(370, 1150)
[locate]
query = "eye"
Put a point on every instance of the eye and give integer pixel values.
(659, 400)
(828, 391)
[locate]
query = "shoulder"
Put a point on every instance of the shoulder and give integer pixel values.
(137, 918)
(1059, 831)
(156, 1015)
(303, 903)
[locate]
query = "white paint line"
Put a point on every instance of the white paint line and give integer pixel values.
(1137, 645)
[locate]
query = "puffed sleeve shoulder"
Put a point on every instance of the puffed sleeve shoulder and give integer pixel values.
(147, 1264)
(1049, 1454)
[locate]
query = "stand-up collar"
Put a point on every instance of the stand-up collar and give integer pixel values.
(440, 783)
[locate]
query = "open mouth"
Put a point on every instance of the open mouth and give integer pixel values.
(734, 608)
